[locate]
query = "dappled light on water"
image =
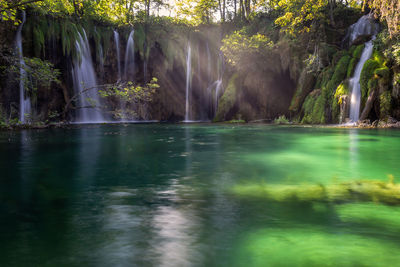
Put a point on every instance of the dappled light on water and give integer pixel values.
(199, 194)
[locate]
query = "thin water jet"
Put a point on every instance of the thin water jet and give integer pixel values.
(24, 100)
(85, 83)
(188, 82)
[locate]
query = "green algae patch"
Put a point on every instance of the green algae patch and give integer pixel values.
(313, 246)
(384, 217)
(358, 191)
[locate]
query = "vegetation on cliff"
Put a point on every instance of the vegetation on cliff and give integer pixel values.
(289, 55)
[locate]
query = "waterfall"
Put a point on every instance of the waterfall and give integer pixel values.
(24, 100)
(116, 41)
(355, 82)
(365, 26)
(216, 87)
(84, 78)
(129, 71)
(188, 81)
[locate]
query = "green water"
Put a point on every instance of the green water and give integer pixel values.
(159, 195)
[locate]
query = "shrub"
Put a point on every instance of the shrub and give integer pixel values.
(281, 120)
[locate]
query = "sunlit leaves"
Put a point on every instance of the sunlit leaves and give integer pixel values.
(130, 92)
(299, 15)
(388, 10)
(234, 45)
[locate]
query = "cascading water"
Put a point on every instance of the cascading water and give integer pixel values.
(24, 100)
(117, 48)
(365, 26)
(216, 86)
(188, 81)
(85, 83)
(129, 71)
(355, 83)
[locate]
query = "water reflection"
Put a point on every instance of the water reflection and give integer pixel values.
(354, 152)
(160, 195)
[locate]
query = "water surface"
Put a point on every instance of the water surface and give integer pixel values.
(159, 195)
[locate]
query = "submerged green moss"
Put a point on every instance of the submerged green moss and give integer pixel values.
(375, 191)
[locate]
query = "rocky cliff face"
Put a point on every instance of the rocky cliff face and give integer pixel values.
(282, 82)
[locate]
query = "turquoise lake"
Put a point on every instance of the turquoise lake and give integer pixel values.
(160, 195)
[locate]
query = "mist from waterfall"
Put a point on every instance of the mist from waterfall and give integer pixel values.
(215, 88)
(85, 83)
(24, 99)
(117, 49)
(188, 82)
(129, 70)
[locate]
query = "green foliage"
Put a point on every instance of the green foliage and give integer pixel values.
(39, 73)
(324, 77)
(299, 15)
(39, 31)
(239, 44)
(69, 35)
(383, 73)
(197, 11)
(130, 92)
(385, 104)
(388, 12)
(341, 90)
(367, 74)
(314, 108)
(358, 51)
(228, 99)
(339, 74)
(352, 65)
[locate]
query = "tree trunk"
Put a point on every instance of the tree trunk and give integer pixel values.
(235, 8)
(220, 10)
(224, 9)
(148, 8)
(241, 9)
(332, 5)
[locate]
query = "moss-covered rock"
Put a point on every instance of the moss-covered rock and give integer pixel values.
(385, 104)
(340, 73)
(358, 51)
(367, 74)
(228, 99)
(338, 103)
(314, 108)
(305, 85)
(351, 67)
(383, 73)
